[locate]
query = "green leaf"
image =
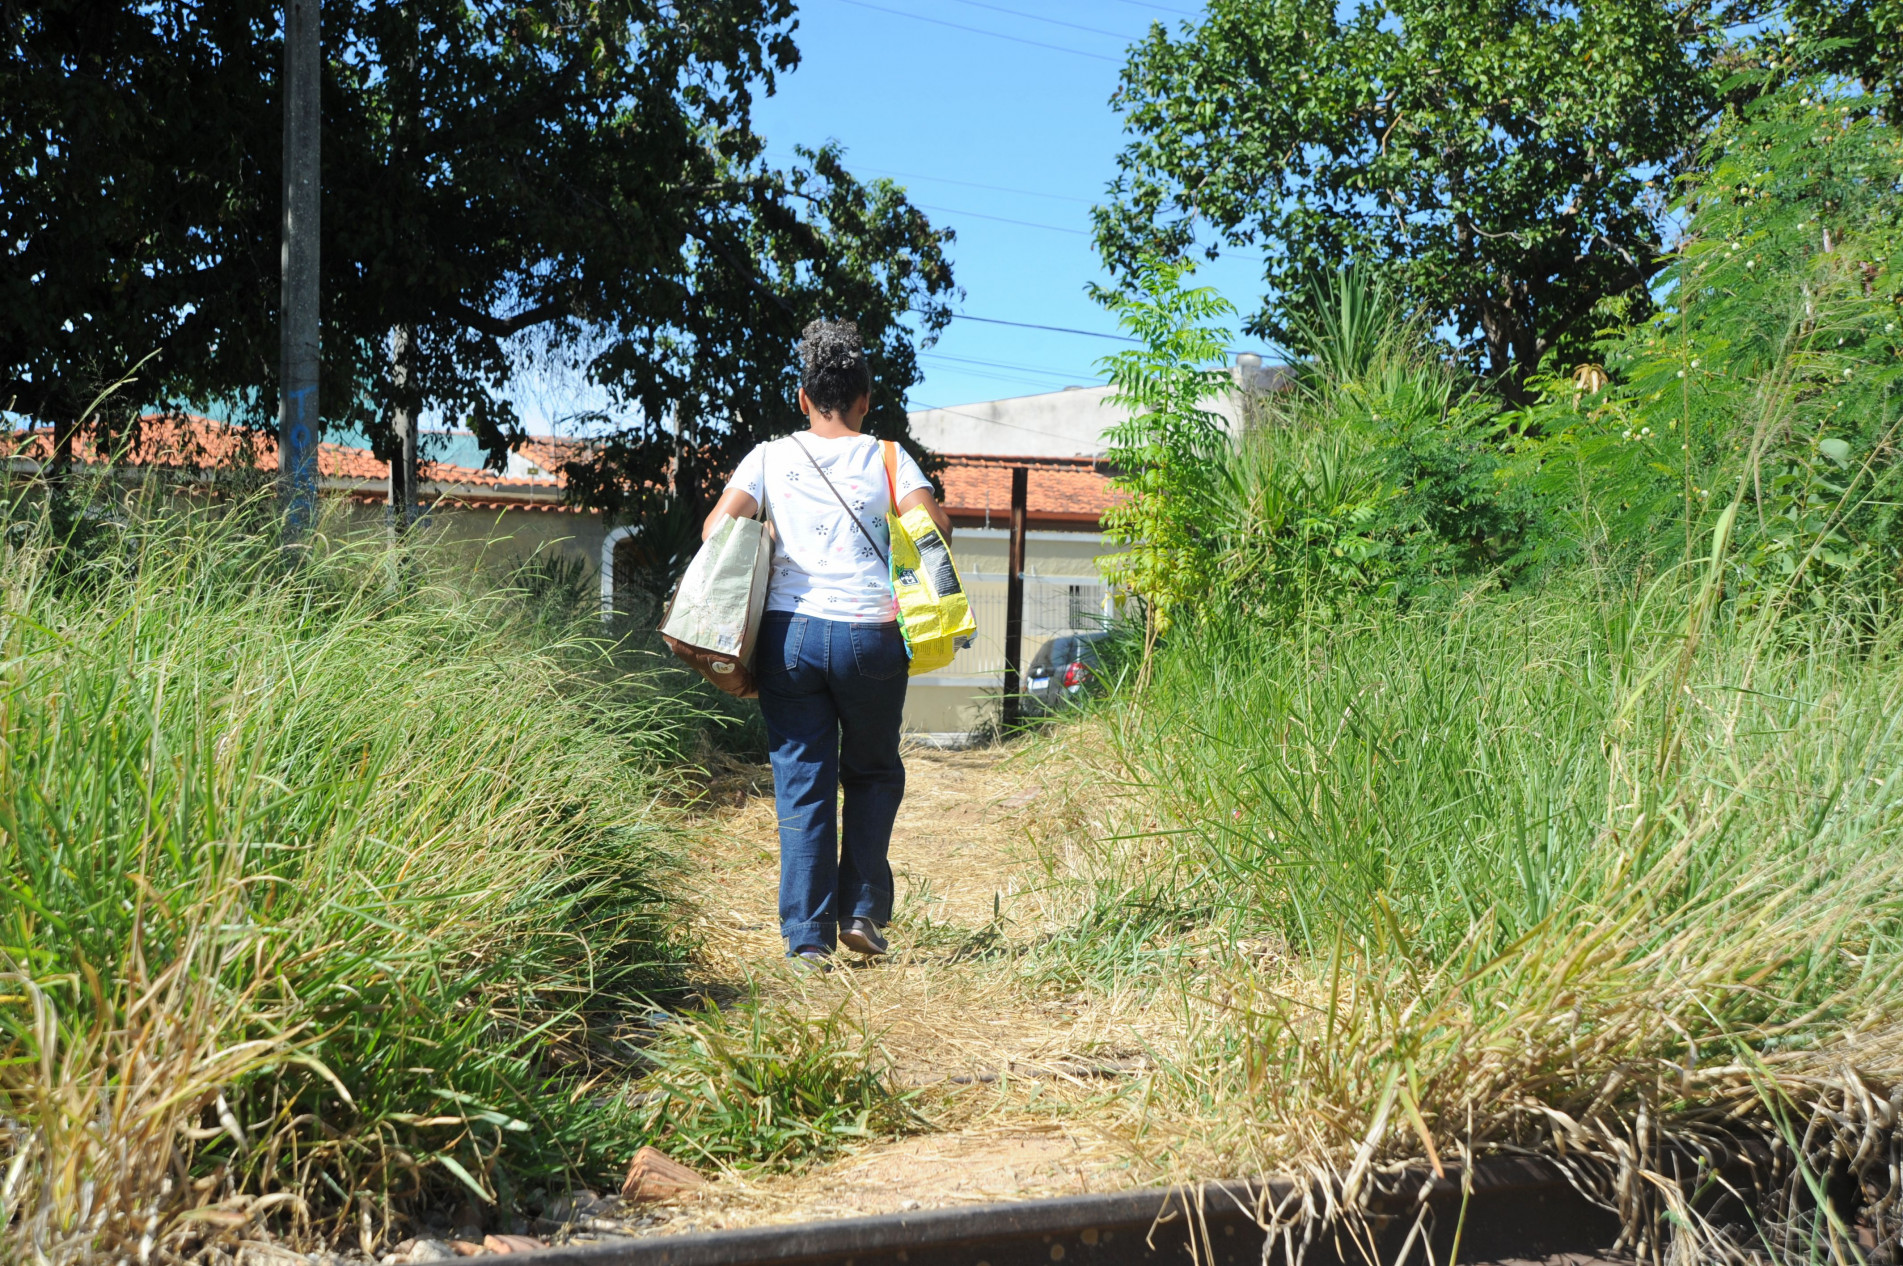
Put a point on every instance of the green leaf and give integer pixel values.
(455, 1167)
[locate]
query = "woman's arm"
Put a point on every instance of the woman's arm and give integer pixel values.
(924, 497)
(732, 504)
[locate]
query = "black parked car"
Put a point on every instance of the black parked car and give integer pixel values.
(1064, 670)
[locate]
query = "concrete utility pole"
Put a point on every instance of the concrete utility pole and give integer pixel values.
(403, 337)
(298, 419)
(403, 428)
(1014, 599)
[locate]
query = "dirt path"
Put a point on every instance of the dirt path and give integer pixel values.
(1021, 1086)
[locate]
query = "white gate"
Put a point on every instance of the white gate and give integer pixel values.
(1052, 605)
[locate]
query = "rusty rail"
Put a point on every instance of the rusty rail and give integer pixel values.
(1517, 1209)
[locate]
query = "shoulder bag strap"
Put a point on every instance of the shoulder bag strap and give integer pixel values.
(842, 501)
(891, 448)
(766, 510)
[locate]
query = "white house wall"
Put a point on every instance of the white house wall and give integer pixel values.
(1068, 423)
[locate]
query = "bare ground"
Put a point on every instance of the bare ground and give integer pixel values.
(1022, 1090)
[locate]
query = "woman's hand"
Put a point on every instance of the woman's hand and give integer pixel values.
(733, 504)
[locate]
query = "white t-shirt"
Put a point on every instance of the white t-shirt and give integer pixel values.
(823, 565)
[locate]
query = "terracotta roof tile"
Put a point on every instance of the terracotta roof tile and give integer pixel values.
(1062, 492)
(1069, 492)
(188, 441)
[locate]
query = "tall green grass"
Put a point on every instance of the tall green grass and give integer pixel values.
(1585, 869)
(1434, 770)
(327, 897)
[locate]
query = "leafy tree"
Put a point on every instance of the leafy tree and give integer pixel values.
(1859, 38)
(500, 178)
(1771, 379)
(137, 145)
(721, 374)
(1167, 452)
(1497, 159)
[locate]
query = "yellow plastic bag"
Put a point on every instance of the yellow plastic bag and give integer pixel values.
(934, 610)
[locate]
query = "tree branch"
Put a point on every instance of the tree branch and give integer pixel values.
(740, 266)
(503, 327)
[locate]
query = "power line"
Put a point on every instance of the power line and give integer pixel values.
(1225, 251)
(972, 184)
(977, 30)
(1038, 17)
(1002, 219)
(1181, 13)
(1054, 329)
(965, 363)
(1222, 252)
(1066, 374)
(1041, 384)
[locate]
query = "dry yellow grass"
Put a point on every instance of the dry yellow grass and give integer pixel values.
(1029, 1082)
(1021, 1090)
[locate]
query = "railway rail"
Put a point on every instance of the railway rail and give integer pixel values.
(1514, 1209)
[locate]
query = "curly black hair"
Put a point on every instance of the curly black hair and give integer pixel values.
(833, 365)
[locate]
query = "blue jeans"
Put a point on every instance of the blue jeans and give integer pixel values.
(832, 694)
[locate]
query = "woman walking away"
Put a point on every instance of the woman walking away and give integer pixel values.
(830, 661)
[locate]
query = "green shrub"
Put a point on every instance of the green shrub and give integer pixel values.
(1601, 864)
(1562, 870)
(1768, 371)
(1381, 472)
(1771, 375)
(1165, 452)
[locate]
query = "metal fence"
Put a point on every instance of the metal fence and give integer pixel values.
(1052, 605)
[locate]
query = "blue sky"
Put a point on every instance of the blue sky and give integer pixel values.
(995, 116)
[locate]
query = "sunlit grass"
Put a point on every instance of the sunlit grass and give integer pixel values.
(325, 895)
(1572, 872)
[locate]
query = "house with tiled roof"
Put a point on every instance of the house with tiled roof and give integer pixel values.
(1057, 438)
(188, 443)
(521, 510)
